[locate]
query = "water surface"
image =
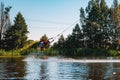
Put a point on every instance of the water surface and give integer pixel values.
(53, 68)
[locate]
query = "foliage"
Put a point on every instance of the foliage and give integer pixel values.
(9, 53)
(27, 51)
(20, 29)
(30, 46)
(99, 33)
(16, 36)
(92, 52)
(50, 52)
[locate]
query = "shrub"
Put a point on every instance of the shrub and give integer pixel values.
(50, 52)
(112, 52)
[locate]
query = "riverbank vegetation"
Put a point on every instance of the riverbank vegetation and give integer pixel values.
(30, 46)
(98, 33)
(13, 38)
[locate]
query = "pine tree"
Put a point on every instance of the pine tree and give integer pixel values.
(95, 23)
(20, 31)
(115, 14)
(9, 40)
(16, 36)
(104, 22)
(60, 43)
(92, 26)
(77, 36)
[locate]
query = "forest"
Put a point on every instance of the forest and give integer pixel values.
(97, 34)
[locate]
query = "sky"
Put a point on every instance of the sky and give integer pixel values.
(50, 17)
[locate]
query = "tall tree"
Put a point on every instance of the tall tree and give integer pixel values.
(4, 21)
(95, 23)
(116, 24)
(77, 37)
(92, 22)
(20, 31)
(60, 44)
(104, 22)
(8, 43)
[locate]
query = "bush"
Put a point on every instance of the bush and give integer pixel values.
(9, 53)
(83, 52)
(2, 52)
(92, 52)
(27, 51)
(113, 52)
(50, 52)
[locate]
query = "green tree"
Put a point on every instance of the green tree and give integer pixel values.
(115, 14)
(100, 28)
(92, 26)
(104, 23)
(95, 23)
(20, 31)
(8, 42)
(61, 41)
(16, 36)
(77, 37)
(60, 44)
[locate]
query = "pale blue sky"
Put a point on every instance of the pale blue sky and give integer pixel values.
(48, 17)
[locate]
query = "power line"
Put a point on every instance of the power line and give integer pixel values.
(45, 21)
(65, 29)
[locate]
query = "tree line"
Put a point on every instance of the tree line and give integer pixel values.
(99, 29)
(12, 36)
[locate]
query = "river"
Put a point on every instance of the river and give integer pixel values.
(54, 68)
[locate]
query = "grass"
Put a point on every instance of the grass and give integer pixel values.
(16, 53)
(50, 52)
(65, 52)
(28, 48)
(9, 53)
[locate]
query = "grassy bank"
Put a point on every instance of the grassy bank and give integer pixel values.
(64, 52)
(9, 53)
(73, 52)
(30, 46)
(16, 53)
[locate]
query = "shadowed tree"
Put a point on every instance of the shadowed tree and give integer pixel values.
(4, 22)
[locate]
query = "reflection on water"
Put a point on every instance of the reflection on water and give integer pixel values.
(11, 68)
(31, 68)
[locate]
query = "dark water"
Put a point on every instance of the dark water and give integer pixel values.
(31, 68)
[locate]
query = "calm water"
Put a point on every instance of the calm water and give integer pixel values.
(33, 68)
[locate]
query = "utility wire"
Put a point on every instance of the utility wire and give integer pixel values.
(54, 22)
(64, 30)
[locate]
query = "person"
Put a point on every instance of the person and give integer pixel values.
(41, 45)
(47, 42)
(44, 43)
